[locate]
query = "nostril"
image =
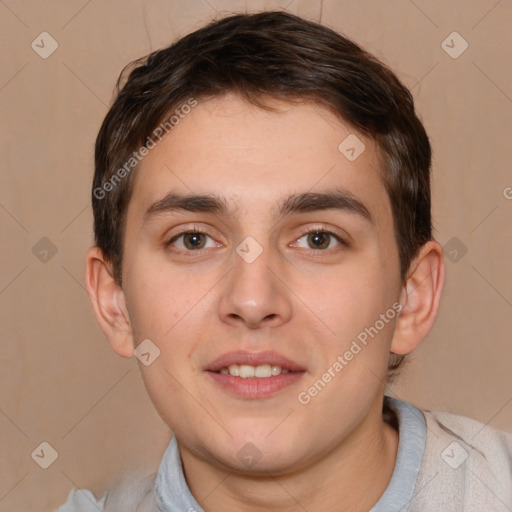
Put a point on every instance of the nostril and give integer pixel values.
(253, 321)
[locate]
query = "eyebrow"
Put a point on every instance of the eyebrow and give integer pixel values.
(338, 199)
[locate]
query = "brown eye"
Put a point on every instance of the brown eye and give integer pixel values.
(194, 240)
(191, 241)
(319, 240)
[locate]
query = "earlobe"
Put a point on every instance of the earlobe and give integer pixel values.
(421, 295)
(108, 301)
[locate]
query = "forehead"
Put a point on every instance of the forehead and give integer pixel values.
(255, 157)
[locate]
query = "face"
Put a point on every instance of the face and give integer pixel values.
(281, 262)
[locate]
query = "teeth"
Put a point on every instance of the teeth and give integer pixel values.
(276, 370)
(263, 371)
(246, 371)
(234, 370)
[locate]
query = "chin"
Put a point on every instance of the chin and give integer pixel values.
(252, 460)
(261, 452)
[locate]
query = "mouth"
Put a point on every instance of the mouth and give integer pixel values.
(254, 374)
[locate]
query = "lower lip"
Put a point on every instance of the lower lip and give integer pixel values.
(254, 387)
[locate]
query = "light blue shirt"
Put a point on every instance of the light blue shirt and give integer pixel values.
(173, 493)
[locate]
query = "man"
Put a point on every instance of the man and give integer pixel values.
(264, 246)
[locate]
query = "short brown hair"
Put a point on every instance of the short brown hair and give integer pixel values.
(269, 54)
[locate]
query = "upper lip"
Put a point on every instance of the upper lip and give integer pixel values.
(253, 359)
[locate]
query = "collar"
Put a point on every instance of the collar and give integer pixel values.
(174, 495)
(411, 445)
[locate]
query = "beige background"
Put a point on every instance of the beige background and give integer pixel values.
(61, 383)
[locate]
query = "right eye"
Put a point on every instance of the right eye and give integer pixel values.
(191, 241)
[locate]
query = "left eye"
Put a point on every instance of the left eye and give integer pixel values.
(192, 240)
(320, 239)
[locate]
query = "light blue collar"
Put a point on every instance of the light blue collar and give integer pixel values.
(411, 445)
(172, 491)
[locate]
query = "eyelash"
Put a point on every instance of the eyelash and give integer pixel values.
(325, 231)
(319, 229)
(195, 230)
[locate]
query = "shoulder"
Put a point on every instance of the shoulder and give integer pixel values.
(472, 445)
(82, 500)
(132, 493)
(129, 493)
(466, 465)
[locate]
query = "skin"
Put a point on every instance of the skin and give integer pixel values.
(334, 453)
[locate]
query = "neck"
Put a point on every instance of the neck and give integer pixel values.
(351, 477)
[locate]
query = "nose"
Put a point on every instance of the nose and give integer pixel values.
(255, 294)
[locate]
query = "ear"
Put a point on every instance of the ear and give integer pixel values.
(420, 298)
(108, 302)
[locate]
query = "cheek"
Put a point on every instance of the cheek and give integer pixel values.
(171, 307)
(347, 299)
(161, 296)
